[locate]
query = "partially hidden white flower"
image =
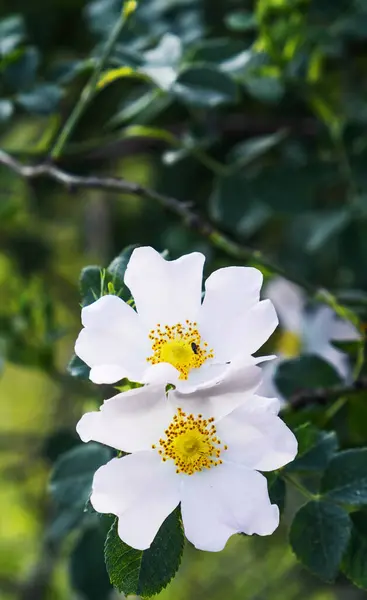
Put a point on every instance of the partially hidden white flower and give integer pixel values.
(305, 331)
(203, 451)
(173, 336)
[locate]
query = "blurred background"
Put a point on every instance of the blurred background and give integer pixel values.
(256, 114)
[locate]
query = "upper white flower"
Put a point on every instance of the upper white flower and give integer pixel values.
(305, 331)
(174, 337)
(206, 456)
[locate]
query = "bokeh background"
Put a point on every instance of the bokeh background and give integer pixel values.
(254, 112)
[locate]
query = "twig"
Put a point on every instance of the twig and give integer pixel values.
(183, 210)
(323, 396)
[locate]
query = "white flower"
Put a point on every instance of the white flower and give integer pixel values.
(206, 456)
(174, 337)
(305, 331)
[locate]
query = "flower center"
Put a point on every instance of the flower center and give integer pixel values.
(289, 344)
(192, 444)
(179, 345)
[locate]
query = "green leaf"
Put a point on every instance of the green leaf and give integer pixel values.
(20, 74)
(12, 33)
(77, 368)
(264, 88)
(88, 575)
(246, 152)
(241, 21)
(145, 573)
(354, 564)
(277, 490)
(205, 87)
(71, 484)
(6, 109)
(345, 479)
(305, 372)
(91, 284)
(162, 62)
(43, 100)
(319, 536)
(315, 449)
(327, 225)
(117, 270)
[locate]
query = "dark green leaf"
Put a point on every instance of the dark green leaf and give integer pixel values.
(354, 565)
(12, 33)
(345, 479)
(245, 152)
(266, 89)
(205, 87)
(91, 285)
(319, 536)
(145, 573)
(71, 483)
(277, 489)
(78, 368)
(306, 372)
(117, 270)
(21, 74)
(327, 224)
(315, 454)
(241, 21)
(88, 575)
(42, 100)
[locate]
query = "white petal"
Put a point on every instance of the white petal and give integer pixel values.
(113, 342)
(165, 292)
(234, 335)
(257, 438)
(139, 489)
(220, 399)
(225, 500)
(289, 302)
(160, 373)
(130, 421)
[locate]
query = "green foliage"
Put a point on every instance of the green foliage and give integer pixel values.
(145, 573)
(345, 479)
(310, 372)
(71, 485)
(355, 559)
(319, 536)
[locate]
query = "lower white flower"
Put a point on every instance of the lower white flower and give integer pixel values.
(173, 336)
(205, 456)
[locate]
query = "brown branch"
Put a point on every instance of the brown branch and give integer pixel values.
(184, 210)
(323, 396)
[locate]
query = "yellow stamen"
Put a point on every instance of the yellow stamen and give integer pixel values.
(289, 344)
(191, 443)
(179, 345)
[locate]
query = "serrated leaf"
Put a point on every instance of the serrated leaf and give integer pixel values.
(319, 535)
(145, 573)
(354, 564)
(316, 449)
(305, 372)
(88, 575)
(205, 87)
(345, 479)
(71, 483)
(77, 368)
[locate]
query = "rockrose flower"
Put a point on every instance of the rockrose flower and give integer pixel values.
(173, 336)
(203, 451)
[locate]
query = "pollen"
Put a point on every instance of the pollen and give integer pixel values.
(191, 443)
(179, 345)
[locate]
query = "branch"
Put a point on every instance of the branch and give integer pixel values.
(183, 210)
(324, 396)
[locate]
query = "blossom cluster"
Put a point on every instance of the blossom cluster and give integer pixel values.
(197, 432)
